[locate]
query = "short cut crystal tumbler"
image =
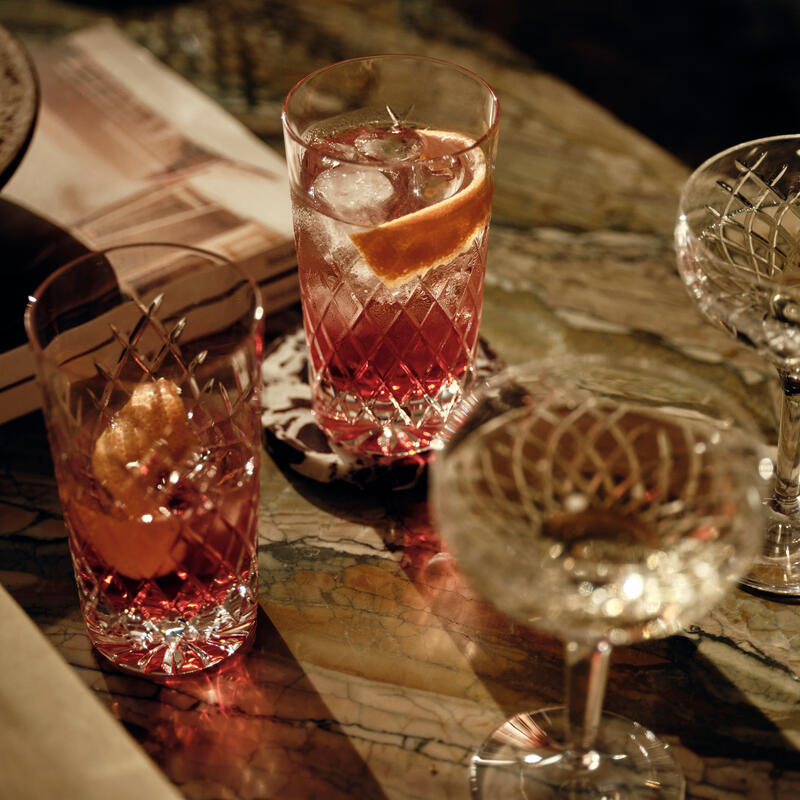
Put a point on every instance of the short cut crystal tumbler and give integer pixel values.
(148, 359)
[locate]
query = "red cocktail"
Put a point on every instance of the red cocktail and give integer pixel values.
(150, 381)
(391, 207)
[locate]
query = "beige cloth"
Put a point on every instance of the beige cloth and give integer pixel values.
(56, 738)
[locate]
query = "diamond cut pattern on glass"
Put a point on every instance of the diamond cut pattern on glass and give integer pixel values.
(559, 456)
(383, 358)
(755, 229)
(742, 265)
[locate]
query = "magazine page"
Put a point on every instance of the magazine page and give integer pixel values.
(125, 151)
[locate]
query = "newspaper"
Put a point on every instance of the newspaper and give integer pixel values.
(125, 151)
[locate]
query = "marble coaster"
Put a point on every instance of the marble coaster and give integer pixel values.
(293, 438)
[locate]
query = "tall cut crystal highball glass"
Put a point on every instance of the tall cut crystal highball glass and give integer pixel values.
(391, 165)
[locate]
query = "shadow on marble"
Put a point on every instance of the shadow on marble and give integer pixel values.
(350, 628)
(667, 685)
(255, 726)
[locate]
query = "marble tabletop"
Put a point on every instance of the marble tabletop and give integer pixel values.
(376, 669)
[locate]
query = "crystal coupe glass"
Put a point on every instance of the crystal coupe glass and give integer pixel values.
(738, 244)
(604, 504)
(148, 359)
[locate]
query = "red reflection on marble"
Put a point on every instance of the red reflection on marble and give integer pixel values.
(435, 574)
(494, 646)
(254, 727)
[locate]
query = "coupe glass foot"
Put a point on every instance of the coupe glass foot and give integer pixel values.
(526, 758)
(777, 570)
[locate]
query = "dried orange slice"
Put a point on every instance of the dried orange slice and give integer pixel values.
(151, 427)
(412, 244)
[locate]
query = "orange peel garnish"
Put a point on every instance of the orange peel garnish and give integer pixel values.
(148, 437)
(410, 245)
(132, 548)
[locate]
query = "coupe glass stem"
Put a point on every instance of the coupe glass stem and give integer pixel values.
(787, 466)
(586, 670)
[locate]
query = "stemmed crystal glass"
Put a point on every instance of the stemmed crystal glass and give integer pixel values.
(738, 244)
(604, 503)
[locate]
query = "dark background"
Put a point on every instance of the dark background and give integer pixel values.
(696, 76)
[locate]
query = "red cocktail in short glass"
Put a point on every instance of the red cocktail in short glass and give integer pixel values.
(148, 358)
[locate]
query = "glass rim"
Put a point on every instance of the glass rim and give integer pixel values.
(700, 170)
(728, 410)
(297, 137)
(684, 228)
(221, 260)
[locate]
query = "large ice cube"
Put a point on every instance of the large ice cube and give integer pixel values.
(333, 150)
(436, 180)
(392, 145)
(341, 150)
(355, 194)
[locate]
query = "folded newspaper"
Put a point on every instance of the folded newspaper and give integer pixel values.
(125, 151)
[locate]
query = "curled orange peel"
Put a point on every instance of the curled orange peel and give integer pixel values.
(148, 437)
(411, 245)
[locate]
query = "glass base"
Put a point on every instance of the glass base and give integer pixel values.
(777, 570)
(526, 758)
(379, 442)
(386, 429)
(385, 421)
(170, 646)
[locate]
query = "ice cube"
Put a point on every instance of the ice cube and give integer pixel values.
(334, 149)
(341, 150)
(436, 180)
(392, 145)
(362, 279)
(354, 194)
